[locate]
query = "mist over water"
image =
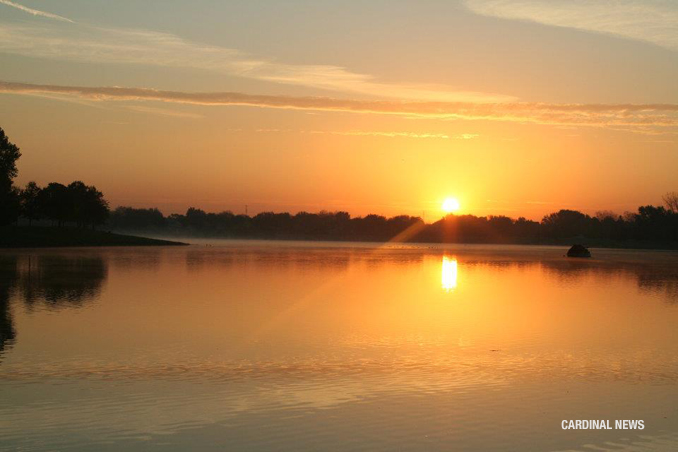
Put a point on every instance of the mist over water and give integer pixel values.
(316, 346)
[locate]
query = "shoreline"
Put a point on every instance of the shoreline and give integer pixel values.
(13, 237)
(565, 243)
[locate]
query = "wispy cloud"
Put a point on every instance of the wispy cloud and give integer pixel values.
(164, 112)
(466, 136)
(633, 117)
(35, 12)
(99, 45)
(646, 20)
(370, 133)
(363, 133)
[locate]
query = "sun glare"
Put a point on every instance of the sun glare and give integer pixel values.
(451, 205)
(449, 277)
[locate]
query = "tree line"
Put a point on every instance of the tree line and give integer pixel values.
(74, 204)
(655, 226)
(81, 205)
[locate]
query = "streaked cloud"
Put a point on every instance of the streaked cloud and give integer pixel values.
(363, 133)
(100, 45)
(164, 112)
(654, 21)
(466, 136)
(371, 133)
(635, 117)
(35, 12)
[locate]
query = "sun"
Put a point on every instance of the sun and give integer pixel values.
(451, 205)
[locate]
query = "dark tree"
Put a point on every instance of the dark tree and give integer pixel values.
(9, 195)
(85, 205)
(95, 207)
(30, 206)
(76, 203)
(9, 154)
(671, 201)
(130, 219)
(656, 223)
(10, 204)
(566, 223)
(54, 203)
(650, 227)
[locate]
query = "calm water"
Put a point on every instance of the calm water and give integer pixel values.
(293, 346)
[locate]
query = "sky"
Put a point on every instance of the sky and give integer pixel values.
(515, 108)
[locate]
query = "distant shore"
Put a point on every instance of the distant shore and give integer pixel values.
(564, 242)
(52, 237)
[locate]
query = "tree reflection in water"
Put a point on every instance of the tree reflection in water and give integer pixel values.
(51, 281)
(60, 281)
(8, 278)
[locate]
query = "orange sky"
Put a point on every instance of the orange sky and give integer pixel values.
(515, 108)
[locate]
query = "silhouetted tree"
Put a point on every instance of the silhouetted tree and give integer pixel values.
(54, 203)
(77, 203)
(128, 218)
(9, 195)
(566, 223)
(76, 194)
(96, 207)
(602, 215)
(651, 226)
(671, 201)
(10, 204)
(9, 154)
(525, 230)
(656, 222)
(85, 205)
(30, 205)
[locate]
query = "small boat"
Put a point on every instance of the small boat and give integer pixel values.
(578, 251)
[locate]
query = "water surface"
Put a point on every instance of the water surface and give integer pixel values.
(247, 346)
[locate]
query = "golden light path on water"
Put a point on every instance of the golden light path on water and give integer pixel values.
(449, 273)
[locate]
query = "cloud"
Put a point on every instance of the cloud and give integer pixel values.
(361, 133)
(366, 133)
(35, 12)
(466, 136)
(164, 112)
(635, 117)
(101, 45)
(652, 21)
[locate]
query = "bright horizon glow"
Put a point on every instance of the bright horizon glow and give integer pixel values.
(451, 205)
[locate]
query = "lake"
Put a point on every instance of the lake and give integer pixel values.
(272, 346)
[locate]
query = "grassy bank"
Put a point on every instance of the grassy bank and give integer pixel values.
(48, 237)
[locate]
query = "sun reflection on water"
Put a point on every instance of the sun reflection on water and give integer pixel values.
(449, 274)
